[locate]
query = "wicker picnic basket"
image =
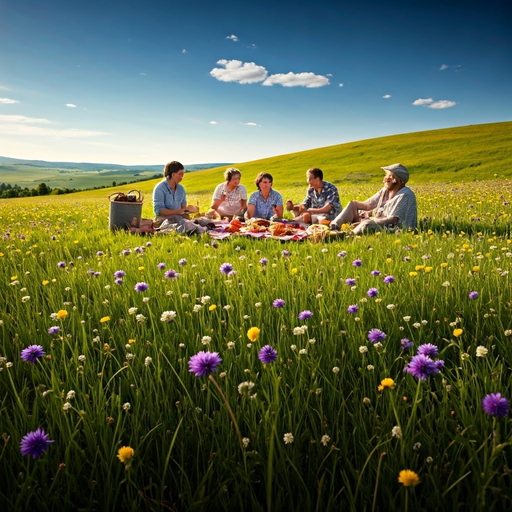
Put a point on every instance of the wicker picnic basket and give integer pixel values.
(125, 210)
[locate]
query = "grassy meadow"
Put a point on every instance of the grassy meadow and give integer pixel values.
(331, 424)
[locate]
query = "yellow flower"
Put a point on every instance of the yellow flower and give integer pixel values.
(428, 269)
(253, 333)
(386, 383)
(457, 332)
(408, 478)
(419, 267)
(125, 454)
(141, 268)
(213, 307)
(389, 260)
(413, 274)
(62, 313)
(293, 271)
(130, 341)
(105, 319)
(444, 265)
(476, 269)
(13, 278)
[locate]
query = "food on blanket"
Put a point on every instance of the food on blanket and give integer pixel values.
(281, 229)
(325, 222)
(316, 229)
(234, 226)
(257, 225)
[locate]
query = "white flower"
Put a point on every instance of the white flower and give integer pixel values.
(363, 349)
(446, 284)
(132, 311)
(391, 306)
(66, 406)
(312, 341)
(429, 460)
(181, 345)
(127, 406)
(97, 339)
(407, 318)
(205, 340)
(129, 357)
(25, 299)
(416, 446)
(288, 438)
(231, 345)
(335, 369)
(185, 296)
(107, 287)
(303, 351)
(197, 308)
(81, 358)
(370, 367)
(245, 441)
(366, 401)
(140, 319)
(464, 356)
(481, 351)
(145, 299)
(293, 347)
(325, 439)
(416, 325)
(168, 316)
(54, 317)
(71, 394)
(300, 330)
(205, 299)
(508, 332)
(396, 431)
(147, 361)
(226, 307)
(257, 305)
(244, 388)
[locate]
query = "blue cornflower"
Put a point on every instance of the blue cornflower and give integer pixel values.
(376, 335)
(204, 363)
(267, 354)
(35, 443)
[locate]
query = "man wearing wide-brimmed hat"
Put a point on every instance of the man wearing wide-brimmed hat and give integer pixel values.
(393, 205)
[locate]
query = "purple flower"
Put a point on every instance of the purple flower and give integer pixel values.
(204, 363)
(285, 253)
(35, 443)
(267, 354)
(278, 303)
(422, 367)
(54, 330)
(126, 252)
(350, 281)
(119, 273)
(119, 281)
(226, 268)
(161, 266)
(99, 253)
(342, 254)
(148, 244)
(473, 295)
(357, 263)
(263, 261)
(427, 349)
(172, 274)
(353, 308)
(32, 353)
(139, 250)
(141, 287)
(182, 262)
(495, 405)
(376, 272)
(61, 264)
(406, 344)
(389, 279)
(304, 315)
(90, 271)
(376, 335)
(96, 274)
(372, 292)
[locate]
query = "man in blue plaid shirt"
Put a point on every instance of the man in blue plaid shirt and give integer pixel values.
(322, 201)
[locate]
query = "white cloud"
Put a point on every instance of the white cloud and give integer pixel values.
(386, 96)
(442, 104)
(213, 122)
(250, 124)
(233, 38)
(142, 74)
(28, 126)
(456, 67)
(252, 45)
(329, 74)
(8, 101)
(23, 119)
(422, 101)
(309, 80)
(70, 105)
(184, 50)
(236, 71)
(443, 67)
(341, 85)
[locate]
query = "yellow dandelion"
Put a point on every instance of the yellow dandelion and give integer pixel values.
(413, 274)
(386, 383)
(389, 260)
(253, 333)
(213, 307)
(62, 313)
(476, 269)
(13, 278)
(408, 478)
(428, 269)
(141, 268)
(105, 319)
(125, 454)
(130, 341)
(293, 271)
(419, 267)
(444, 265)
(457, 332)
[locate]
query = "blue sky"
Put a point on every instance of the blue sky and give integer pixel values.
(145, 82)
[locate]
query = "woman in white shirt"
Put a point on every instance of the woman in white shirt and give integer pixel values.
(230, 198)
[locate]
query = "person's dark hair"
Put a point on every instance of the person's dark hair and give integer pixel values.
(316, 172)
(171, 168)
(261, 176)
(230, 172)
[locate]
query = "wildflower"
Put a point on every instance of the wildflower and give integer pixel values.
(172, 274)
(325, 439)
(32, 353)
(140, 319)
(213, 307)
(168, 316)
(285, 253)
(61, 264)
(357, 263)
(473, 295)
(127, 406)
(376, 335)
(396, 431)
(408, 478)
(386, 383)
(66, 407)
(335, 369)
(55, 329)
(81, 358)
(375, 272)
(245, 388)
(267, 354)
(366, 401)
(263, 261)
(406, 344)
(125, 454)
(104, 319)
(457, 332)
(206, 340)
(304, 315)
(495, 405)
(389, 279)
(132, 311)
(422, 367)
(278, 303)
(481, 351)
(353, 308)
(245, 441)
(350, 281)
(206, 299)
(147, 361)
(226, 268)
(35, 443)
(372, 292)
(288, 438)
(25, 299)
(297, 331)
(204, 363)
(370, 367)
(363, 349)
(61, 314)
(182, 262)
(253, 333)
(141, 287)
(427, 349)
(71, 395)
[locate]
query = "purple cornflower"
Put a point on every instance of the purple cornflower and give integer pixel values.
(304, 315)
(350, 281)
(406, 344)
(54, 329)
(35, 443)
(353, 308)
(32, 353)
(139, 250)
(172, 274)
(285, 253)
(375, 272)
(204, 363)
(96, 274)
(342, 254)
(376, 335)
(61, 264)
(161, 266)
(495, 405)
(263, 261)
(267, 354)
(141, 287)
(126, 252)
(427, 349)
(119, 281)
(357, 263)
(372, 292)
(389, 279)
(119, 273)
(278, 303)
(226, 268)
(473, 295)
(422, 367)
(148, 244)
(90, 271)
(99, 253)
(182, 262)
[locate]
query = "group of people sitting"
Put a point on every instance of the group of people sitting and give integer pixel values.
(392, 206)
